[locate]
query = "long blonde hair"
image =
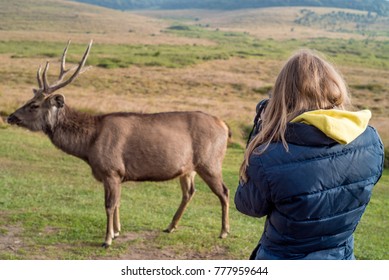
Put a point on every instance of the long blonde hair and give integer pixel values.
(306, 82)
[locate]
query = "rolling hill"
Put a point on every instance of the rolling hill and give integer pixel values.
(217, 61)
(193, 58)
(60, 20)
(380, 7)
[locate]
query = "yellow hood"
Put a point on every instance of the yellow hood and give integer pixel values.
(342, 126)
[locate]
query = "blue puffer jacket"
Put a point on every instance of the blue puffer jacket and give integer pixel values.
(313, 195)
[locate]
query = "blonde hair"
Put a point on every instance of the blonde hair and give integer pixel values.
(306, 82)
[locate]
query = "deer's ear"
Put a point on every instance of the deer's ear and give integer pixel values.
(57, 100)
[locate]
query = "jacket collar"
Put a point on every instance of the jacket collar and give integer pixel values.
(306, 135)
(339, 125)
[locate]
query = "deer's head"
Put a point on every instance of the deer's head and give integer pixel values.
(41, 111)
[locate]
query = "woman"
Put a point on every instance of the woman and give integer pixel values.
(311, 167)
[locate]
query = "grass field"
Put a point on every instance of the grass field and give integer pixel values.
(51, 208)
(218, 62)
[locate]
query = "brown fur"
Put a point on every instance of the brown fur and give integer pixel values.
(123, 147)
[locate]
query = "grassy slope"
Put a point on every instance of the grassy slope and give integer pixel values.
(50, 205)
(54, 210)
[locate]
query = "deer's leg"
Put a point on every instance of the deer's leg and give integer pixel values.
(224, 200)
(215, 182)
(116, 221)
(188, 190)
(112, 191)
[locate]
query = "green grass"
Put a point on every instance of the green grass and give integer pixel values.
(52, 208)
(369, 52)
(366, 53)
(59, 207)
(371, 238)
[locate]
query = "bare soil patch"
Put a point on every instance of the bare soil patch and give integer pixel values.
(10, 239)
(141, 247)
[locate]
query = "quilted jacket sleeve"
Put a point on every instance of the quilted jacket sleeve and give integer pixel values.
(252, 198)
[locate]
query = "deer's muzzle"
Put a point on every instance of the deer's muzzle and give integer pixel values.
(12, 119)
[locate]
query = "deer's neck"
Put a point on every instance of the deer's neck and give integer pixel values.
(73, 132)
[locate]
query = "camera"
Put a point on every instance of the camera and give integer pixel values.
(261, 106)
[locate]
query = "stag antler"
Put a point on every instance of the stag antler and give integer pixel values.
(45, 87)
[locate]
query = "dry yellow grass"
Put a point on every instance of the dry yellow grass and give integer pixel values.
(276, 23)
(382, 124)
(58, 20)
(222, 87)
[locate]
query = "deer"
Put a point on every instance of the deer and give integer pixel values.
(130, 146)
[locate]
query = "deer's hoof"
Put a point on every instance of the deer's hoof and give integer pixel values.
(223, 235)
(169, 230)
(105, 245)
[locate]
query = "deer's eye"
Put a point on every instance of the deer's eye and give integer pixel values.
(34, 106)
